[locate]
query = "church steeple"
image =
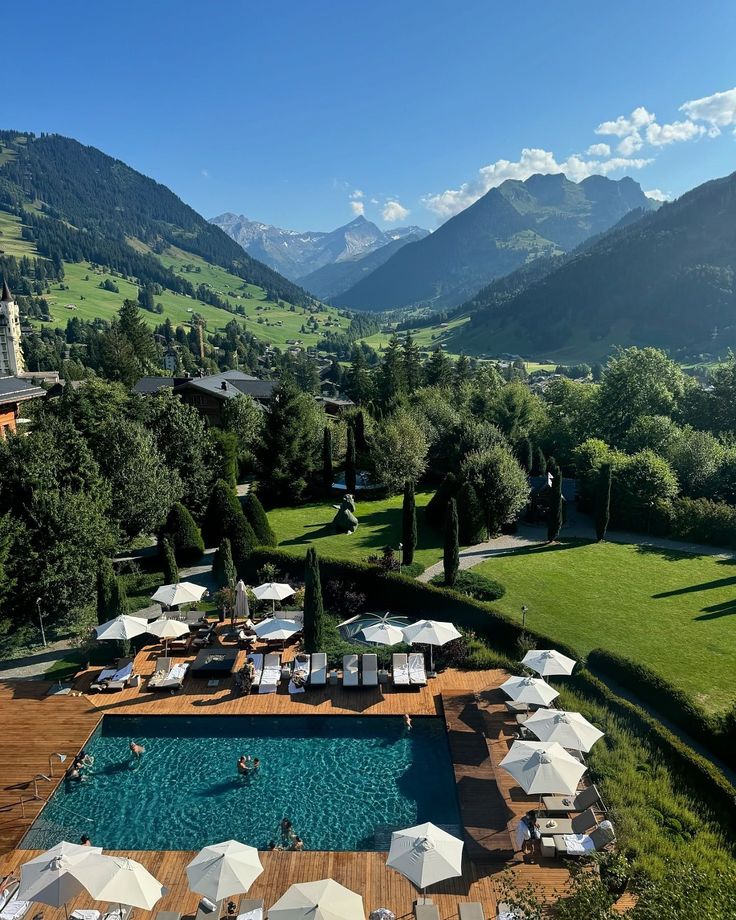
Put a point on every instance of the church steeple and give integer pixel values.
(7, 296)
(11, 353)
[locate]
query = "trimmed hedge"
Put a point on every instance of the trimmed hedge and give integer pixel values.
(695, 769)
(716, 734)
(473, 584)
(411, 596)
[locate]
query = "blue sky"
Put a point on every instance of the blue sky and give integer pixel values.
(306, 112)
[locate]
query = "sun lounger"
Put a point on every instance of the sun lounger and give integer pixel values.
(86, 913)
(370, 670)
(12, 884)
(471, 910)
(350, 673)
(250, 909)
(562, 804)
(114, 678)
(15, 908)
(400, 665)
(257, 658)
(426, 910)
(209, 910)
(271, 673)
(417, 672)
(582, 844)
(118, 912)
(300, 673)
(318, 675)
(578, 824)
(168, 915)
(173, 679)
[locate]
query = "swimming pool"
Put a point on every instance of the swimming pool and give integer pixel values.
(344, 782)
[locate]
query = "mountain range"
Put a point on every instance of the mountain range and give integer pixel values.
(297, 255)
(511, 225)
(666, 279)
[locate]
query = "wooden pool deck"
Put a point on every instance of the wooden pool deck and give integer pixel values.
(36, 726)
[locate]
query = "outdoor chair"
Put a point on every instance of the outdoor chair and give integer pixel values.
(209, 910)
(471, 910)
(271, 677)
(400, 667)
(14, 909)
(173, 679)
(12, 884)
(417, 671)
(426, 910)
(597, 840)
(257, 659)
(250, 909)
(350, 673)
(118, 912)
(561, 804)
(301, 669)
(318, 675)
(114, 678)
(370, 670)
(85, 913)
(578, 824)
(168, 915)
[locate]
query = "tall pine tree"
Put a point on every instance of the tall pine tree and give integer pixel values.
(526, 455)
(360, 442)
(168, 562)
(451, 556)
(350, 472)
(409, 524)
(603, 501)
(555, 510)
(313, 606)
(223, 567)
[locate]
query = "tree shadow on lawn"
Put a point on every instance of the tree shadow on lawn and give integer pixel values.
(716, 611)
(694, 589)
(541, 548)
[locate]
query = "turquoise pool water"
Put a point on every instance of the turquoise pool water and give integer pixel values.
(344, 782)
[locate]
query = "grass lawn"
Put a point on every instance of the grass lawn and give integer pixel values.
(674, 612)
(379, 525)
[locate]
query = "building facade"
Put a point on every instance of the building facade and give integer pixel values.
(11, 355)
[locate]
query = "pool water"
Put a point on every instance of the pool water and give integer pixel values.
(344, 782)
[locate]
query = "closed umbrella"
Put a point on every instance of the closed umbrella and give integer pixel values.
(549, 663)
(46, 879)
(222, 870)
(166, 629)
(121, 628)
(184, 592)
(273, 591)
(425, 854)
(383, 634)
(431, 633)
(322, 900)
(120, 880)
(242, 607)
(274, 629)
(543, 768)
(569, 729)
(530, 690)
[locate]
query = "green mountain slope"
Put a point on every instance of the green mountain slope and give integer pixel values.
(507, 228)
(668, 279)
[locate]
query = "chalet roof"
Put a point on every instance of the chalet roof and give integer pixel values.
(229, 385)
(148, 385)
(6, 292)
(16, 389)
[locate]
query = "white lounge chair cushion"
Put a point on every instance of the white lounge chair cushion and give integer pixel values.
(15, 909)
(256, 914)
(124, 673)
(85, 914)
(401, 673)
(578, 844)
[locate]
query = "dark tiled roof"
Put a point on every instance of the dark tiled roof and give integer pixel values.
(147, 385)
(15, 389)
(236, 382)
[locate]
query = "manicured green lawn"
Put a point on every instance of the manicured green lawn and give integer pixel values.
(379, 525)
(673, 612)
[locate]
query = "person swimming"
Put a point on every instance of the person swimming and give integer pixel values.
(242, 766)
(137, 749)
(407, 721)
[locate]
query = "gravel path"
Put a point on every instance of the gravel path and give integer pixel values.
(34, 665)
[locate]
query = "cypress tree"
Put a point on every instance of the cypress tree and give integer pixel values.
(360, 442)
(243, 541)
(526, 455)
(603, 501)
(327, 460)
(350, 462)
(409, 524)
(105, 579)
(168, 561)
(313, 607)
(540, 464)
(554, 514)
(471, 519)
(258, 520)
(437, 505)
(184, 535)
(223, 567)
(119, 602)
(451, 556)
(222, 509)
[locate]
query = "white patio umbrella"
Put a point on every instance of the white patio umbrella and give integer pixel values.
(166, 629)
(431, 633)
(569, 729)
(119, 880)
(273, 591)
(322, 900)
(425, 854)
(121, 628)
(548, 662)
(543, 768)
(242, 607)
(383, 633)
(46, 878)
(275, 629)
(222, 870)
(184, 592)
(529, 690)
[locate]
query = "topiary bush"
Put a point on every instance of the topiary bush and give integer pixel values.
(184, 534)
(258, 520)
(473, 584)
(223, 508)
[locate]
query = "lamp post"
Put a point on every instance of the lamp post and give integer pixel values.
(401, 556)
(40, 621)
(524, 609)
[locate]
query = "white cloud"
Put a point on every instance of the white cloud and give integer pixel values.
(623, 127)
(598, 150)
(358, 208)
(718, 110)
(356, 195)
(656, 194)
(393, 211)
(660, 135)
